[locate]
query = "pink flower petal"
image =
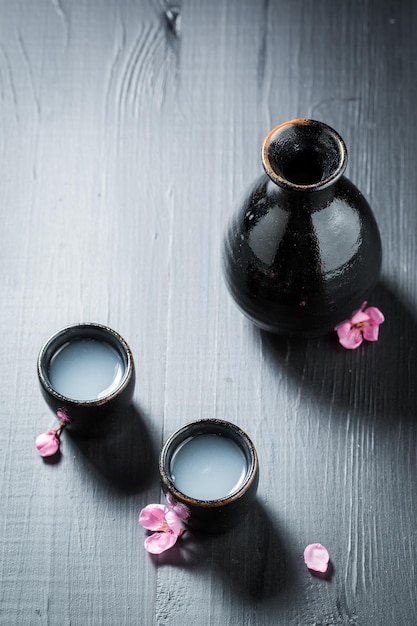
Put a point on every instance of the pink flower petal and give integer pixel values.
(359, 318)
(316, 557)
(153, 517)
(47, 443)
(376, 316)
(174, 523)
(180, 508)
(343, 329)
(352, 340)
(370, 333)
(159, 542)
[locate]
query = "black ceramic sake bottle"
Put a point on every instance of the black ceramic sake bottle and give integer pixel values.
(304, 250)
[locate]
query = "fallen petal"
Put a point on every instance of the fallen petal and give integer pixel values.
(375, 315)
(359, 318)
(352, 340)
(174, 522)
(153, 517)
(343, 329)
(47, 444)
(316, 557)
(159, 542)
(371, 333)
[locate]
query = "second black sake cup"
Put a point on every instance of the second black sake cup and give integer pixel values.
(209, 474)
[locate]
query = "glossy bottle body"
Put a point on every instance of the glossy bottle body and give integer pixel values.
(300, 258)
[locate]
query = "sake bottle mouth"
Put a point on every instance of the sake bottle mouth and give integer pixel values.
(304, 155)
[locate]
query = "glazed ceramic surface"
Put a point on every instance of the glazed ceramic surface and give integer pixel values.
(304, 250)
(87, 416)
(209, 513)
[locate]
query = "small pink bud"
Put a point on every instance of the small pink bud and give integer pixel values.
(47, 443)
(179, 508)
(63, 416)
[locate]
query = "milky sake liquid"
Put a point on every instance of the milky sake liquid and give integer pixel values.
(208, 467)
(86, 369)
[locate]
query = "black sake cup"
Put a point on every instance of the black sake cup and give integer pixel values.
(210, 515)
(88, 417)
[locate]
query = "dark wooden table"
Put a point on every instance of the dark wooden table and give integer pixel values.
(129, 129)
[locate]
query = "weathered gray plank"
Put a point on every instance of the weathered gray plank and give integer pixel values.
(125, 144)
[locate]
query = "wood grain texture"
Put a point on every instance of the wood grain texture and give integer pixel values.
(128, 132)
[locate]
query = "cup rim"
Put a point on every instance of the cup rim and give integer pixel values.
(77, 331)
(208, 426)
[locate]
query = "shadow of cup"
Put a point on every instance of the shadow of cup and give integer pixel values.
(124, 456)
(249, 558)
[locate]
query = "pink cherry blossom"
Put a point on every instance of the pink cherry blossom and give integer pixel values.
(48, 443)
(166, 524)
(316, 557)
(364, 324)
